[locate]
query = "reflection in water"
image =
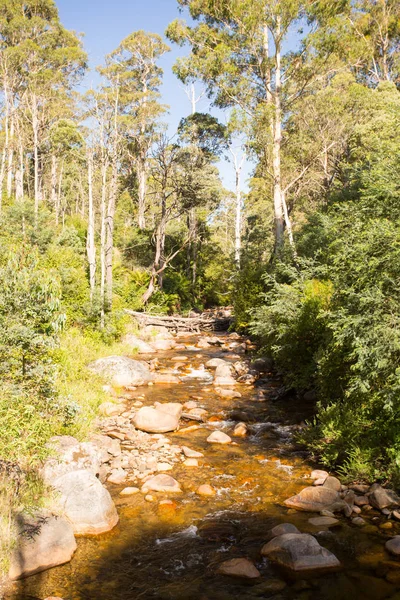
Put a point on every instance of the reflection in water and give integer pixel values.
(171, 551)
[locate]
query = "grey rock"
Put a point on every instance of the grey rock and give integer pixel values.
(44, 541)
(300, 553)
(86, 503)
(122, 371)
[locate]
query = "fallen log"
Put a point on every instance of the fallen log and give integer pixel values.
(193, 324)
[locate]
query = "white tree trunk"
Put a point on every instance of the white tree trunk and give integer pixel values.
(278, 208)
(103, 242)
(19, 176)
(10, 158)
(90, 245)
(142, 181)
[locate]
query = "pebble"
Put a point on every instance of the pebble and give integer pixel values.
(129, 491)
(191, 462)
(149, 498)
(189, 453)
(359, 521)
(206, 490)
(219, 437)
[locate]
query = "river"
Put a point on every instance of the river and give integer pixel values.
(170, 550)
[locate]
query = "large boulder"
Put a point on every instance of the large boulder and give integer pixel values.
(161, 483)
(381, 498)
(122, 371)
(153, 420)
(44, 541)
(137, 345)
(86, 503)
(300, 552)
(71, 455)
(315, 499)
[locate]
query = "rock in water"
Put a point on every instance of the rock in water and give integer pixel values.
(219, 437)
(300, 553)
(86, 503)
(315, 499)
(239, 567)
(44, 541)
(216, 362)
(227, 393)
(324, 522)
(380, 497)
(152, 420)
(283, 528)
(205, 490)
(122, 371)
(170, 408)
(189, 453)
(393, 545)
(161, 483)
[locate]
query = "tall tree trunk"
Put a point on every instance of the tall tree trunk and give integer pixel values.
(53, 195)
(10, 157)
(35, 128)
(19, 175)
(90, 244)
(142, 190)
(103, 241)
(238, 220)
(276, 163)
(109, 244)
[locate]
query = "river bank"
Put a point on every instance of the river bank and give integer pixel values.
(173, 545)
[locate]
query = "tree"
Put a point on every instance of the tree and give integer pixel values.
(48, 60)
(238, 51)
(133, 69)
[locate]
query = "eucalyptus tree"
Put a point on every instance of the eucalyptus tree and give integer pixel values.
(182, 178)
(48, 59)
(133, 67)
(238, 49)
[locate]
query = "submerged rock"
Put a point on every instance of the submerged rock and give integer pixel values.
(239, 567)
(219, 437)
(227, 393)
(315, 499)
(300, 553)
(283, 528)
(153, 420)
(205, 490)
(44, 541)
(86, 503)
(189, 453)
(393, 545)
(122, 371)
(161, 483)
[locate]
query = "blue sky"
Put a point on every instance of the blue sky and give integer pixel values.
(105, 23)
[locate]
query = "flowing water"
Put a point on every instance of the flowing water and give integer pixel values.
(171, 550)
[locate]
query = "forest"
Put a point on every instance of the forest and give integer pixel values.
(104, 209)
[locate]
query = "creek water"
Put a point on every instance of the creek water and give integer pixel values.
(170, 551)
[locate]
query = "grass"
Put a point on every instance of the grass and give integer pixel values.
(26, 425)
